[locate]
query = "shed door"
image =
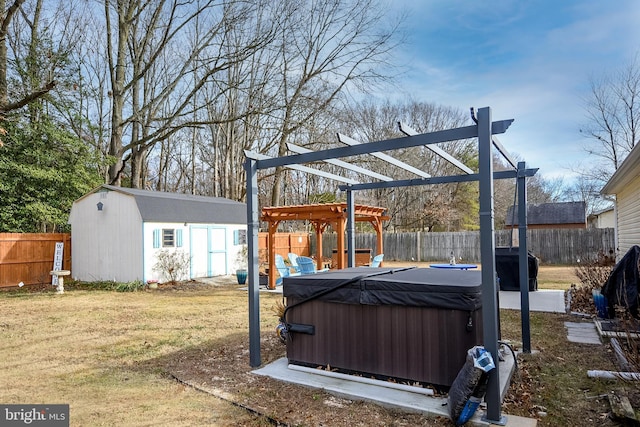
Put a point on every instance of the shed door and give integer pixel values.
(208, 251)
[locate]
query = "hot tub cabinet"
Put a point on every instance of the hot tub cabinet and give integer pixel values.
(414, 325)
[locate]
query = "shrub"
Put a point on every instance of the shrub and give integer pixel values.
(173, 265)
(134, 286)
(593, 272)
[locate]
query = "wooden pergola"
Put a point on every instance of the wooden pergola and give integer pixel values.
(320, 216)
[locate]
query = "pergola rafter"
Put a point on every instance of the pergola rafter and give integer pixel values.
(402, 165)
(407, 130)
(297, 149)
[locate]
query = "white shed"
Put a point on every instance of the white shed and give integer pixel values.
(625, 185)
(117, 234)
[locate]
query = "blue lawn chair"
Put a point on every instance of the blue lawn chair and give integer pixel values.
(377, 260)
(308, 265)
(293, 259)
(283, 269)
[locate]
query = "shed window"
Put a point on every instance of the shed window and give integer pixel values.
(168, 237)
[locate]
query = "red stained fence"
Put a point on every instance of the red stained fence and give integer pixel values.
(28, 257)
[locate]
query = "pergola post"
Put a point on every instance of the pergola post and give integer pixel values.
(523, 258)
(253, 279)
(487, 256)
(319, 230)
(271, 250)
(379, 247)
(351, 230)
(340, 229)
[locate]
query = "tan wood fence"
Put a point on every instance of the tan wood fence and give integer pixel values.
(28, 257)
(551, 246)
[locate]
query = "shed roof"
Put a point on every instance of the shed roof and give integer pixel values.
(550, 214)
(160, 206)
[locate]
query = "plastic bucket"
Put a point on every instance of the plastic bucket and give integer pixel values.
(601, 304)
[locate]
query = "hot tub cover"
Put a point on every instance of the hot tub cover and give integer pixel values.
(420, 287)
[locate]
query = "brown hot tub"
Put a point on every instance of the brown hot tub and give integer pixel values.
(414, 324)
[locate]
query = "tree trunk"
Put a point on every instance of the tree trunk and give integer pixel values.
(118, 74)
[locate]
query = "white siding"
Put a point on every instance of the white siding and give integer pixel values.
(214, 251)
(606, 219)
(106, 245)
(114, 244)
(628, 216)
(150, 253)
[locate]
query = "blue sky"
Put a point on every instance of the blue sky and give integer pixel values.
(531, 61)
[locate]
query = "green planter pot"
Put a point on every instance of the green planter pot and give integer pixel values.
(242, 276)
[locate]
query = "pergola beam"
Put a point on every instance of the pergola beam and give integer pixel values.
(389, 144)
(503, 151)
(306, 169)
(438, 180)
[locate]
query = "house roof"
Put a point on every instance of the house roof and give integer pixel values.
(159, 206)
(550, 214)
(628, 170)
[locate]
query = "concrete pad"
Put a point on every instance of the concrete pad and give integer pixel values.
(582, 332)
(277, 290)
(379, 392)
(545, 300)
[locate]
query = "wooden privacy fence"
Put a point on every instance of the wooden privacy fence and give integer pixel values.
(552, 246)
(28, 258)
(298, 243)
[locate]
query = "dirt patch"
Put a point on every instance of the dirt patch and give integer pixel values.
(221, 369)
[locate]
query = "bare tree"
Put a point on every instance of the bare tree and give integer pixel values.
(147, 39)
(433, 207)
(36, 44)
(327, 47)
(587, 190)
(613, 120)
(6, 19)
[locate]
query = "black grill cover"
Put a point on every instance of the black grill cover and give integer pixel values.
(420, 287)
(508, 269)
(621, 288)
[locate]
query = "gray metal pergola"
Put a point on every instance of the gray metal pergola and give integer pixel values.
(484, 130)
